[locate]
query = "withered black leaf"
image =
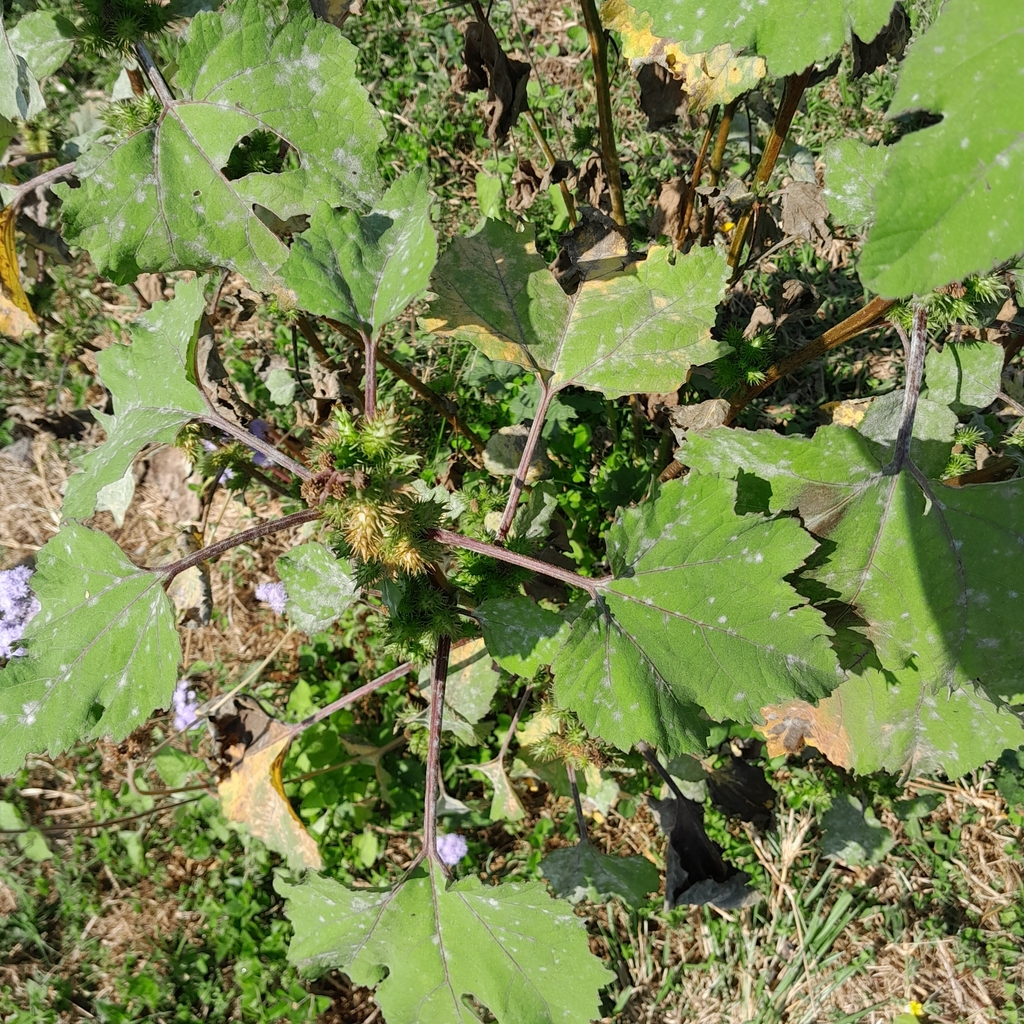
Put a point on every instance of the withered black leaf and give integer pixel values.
(504, 78)
(890, 42)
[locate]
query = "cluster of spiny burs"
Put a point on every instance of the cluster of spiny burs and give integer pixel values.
(364, 489)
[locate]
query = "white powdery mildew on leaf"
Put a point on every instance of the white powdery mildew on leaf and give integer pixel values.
(119, 654)
(295, 79)
(441, 943)
(930, 568)
(693, 621)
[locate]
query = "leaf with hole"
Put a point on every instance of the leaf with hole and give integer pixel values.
(932, 569)
(428, 946)
(153, 390)
(102, 651)
(162, 199)
(697, 617)
(947, 205)
(635, 329)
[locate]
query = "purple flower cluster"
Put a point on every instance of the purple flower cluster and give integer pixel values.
(274, 594)
(451, 848)
(258, 429)
(185, 706)
(17, 606)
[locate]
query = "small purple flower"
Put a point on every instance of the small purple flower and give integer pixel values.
(258, 429)
(451, 848)
(227, 473)
(17, 607)
(274, 594)
(185, 706)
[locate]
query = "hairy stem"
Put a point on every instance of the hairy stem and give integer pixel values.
(609, 154)
(357, 694)
(698, 167)
(156, 79)
(214, 419)
(707, 230)
(39, 181)
(914, 350)
(581, 821)
(370, 394)
(437, 683)
(431, 397)
(554, 572)
(795, 85)
(519, 480)
(307, 515)
(864, 319)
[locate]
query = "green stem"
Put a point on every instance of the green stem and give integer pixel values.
(795, 85)
(609, 154)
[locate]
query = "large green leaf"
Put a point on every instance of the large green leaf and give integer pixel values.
(639, 329)
(948, 204)
(153, 391)
(895, 722)
(934, 570)
(511, 947)
(365, 270)
(697, 616)
(319, 586)
(583, 872)
(102, 652)
(160, 200)
(19, 91)
(789, 34)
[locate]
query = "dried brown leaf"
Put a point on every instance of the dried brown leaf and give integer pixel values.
(504, 78)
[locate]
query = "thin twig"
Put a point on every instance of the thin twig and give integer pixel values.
(581, 821)
(553, 572)
(519, 480)
(357, 694)
(570, 206)
(698, 167)
(513, 725)
(307, 515)
(39, 181)
(795, 85)
(609, 154)
(1011, 402)
(437, 683)
(156, 79)
(715, 167)
(215, 419)
(429, 395)
(914, 352)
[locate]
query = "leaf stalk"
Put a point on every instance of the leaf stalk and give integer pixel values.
(156, 79)
(438, 678)
(519, 480)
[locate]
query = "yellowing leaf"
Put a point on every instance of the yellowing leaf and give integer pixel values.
(716, 76)
(253, 747)
(16, 316)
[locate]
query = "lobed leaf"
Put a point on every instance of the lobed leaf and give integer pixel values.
(789, 34)
(717, 76)
(624, 331)
(932, 569)
(511, 947)
(153, 389)
(947, 204)
(160, 199)
(698, 618)
(894, 722)
(364, 270)
(103, 650)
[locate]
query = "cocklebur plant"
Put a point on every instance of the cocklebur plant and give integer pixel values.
(849, 600)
